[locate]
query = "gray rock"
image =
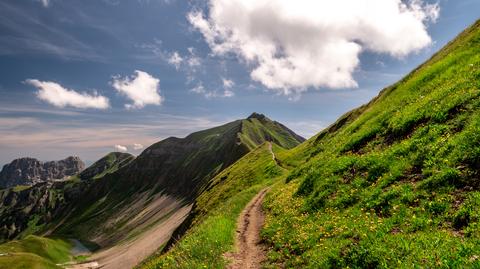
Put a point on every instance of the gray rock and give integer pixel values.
(30, 171)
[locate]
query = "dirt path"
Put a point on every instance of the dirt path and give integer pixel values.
(250, 253)
(271, 151)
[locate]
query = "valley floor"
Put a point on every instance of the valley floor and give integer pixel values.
(129, 254)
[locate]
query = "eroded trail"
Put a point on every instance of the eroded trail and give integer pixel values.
(250, 253)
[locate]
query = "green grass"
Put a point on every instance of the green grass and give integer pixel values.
(20, 188)
(394, 183)
(34, 252)
(217, 211)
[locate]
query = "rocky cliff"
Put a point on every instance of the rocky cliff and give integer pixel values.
(29, 171)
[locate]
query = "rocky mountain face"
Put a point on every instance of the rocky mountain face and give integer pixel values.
(49, 201)
(30, 171)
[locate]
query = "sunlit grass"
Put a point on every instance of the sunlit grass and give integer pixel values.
(392, 184)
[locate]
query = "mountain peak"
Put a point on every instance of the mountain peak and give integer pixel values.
(257, 116)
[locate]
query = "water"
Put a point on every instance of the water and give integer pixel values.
(78, 248)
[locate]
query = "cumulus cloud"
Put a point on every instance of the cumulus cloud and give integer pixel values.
(200, 89)
(121, 148)
(59, 96)
(175, 59)
(142, 88)
(294, 45)
(137, 146)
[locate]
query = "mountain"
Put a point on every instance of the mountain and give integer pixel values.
(108, 164)
(29, 171)
(143, 200)
(391, 184)
(24, 207)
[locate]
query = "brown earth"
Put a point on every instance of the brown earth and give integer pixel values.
(250, 252)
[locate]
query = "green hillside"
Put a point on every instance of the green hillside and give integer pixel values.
(106, 165)
(34, 252)
(175, 167)
(212, 229)
(394, 183)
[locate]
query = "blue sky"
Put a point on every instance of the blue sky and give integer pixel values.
(94, 48)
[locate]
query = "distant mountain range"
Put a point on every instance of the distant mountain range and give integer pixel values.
(30, 171)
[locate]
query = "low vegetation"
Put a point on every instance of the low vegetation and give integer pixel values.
(394, 183)
(34, 252)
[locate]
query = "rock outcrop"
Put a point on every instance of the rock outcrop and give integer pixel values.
(30, 171)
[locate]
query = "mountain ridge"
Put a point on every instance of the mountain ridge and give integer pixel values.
(146, 192)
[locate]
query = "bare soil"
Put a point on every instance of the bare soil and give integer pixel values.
(250, 252)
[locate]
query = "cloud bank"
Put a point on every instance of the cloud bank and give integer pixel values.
(293, 45)
(142, 88)
(59, 96)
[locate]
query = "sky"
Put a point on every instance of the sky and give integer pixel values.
(89, 77)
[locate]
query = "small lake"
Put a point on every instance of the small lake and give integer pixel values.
(78, 248)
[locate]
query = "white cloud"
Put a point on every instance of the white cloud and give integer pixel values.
(228, 93)
(294, 45)
(59, 96)
(193, 60)
(142, 88)
(175, 60)
(121, 148)
(200, 89)
(45, 3)
(137, 146)
(228, 83)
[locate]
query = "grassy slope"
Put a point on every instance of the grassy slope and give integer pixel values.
(34, 252)
(394, 183)
(257, 130)
(219, 207)
(107, 165)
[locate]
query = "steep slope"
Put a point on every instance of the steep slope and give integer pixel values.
(29, 171)
(174, 169)
(106, 165)
(394, 183)
(211, 230)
